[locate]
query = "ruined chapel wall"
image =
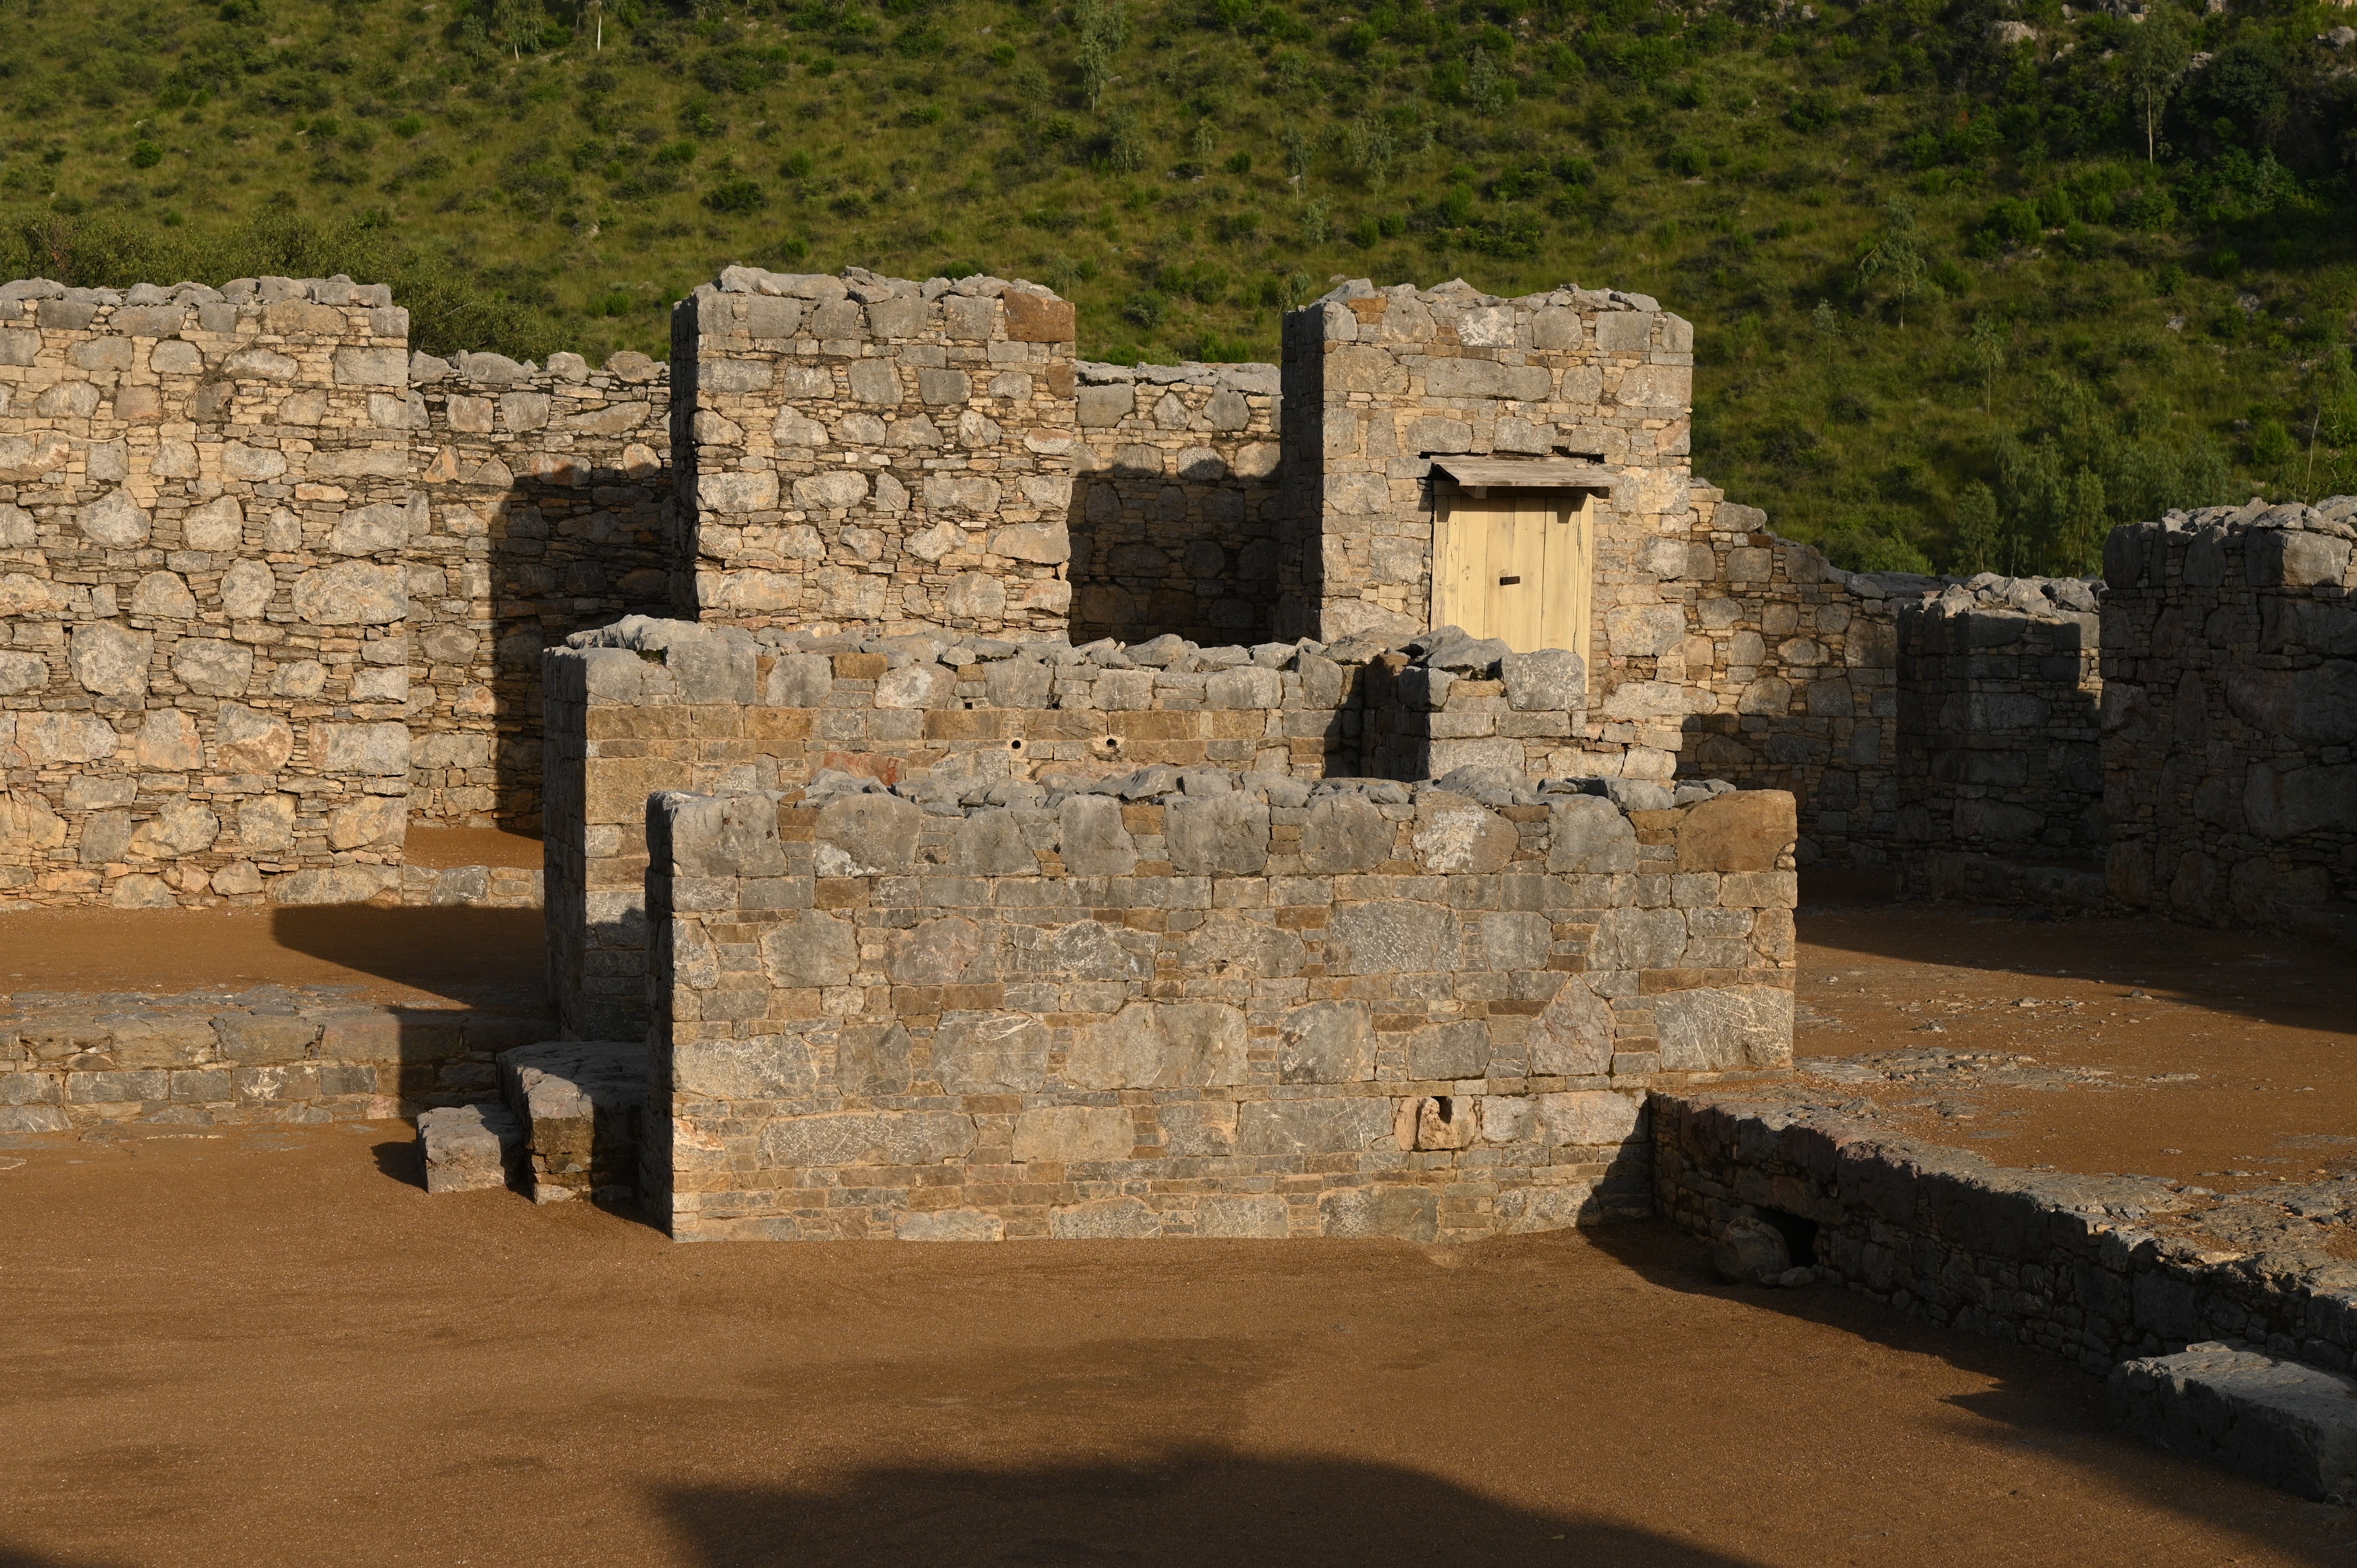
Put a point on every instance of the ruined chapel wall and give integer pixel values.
(205, 507)
(1174, 523)
(874, 455)
(549, 489)
(2228, 712)
(1248, 1007)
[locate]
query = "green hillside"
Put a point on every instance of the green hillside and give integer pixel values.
(1948, 311)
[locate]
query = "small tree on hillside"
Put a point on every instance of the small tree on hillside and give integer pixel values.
(2156, 59)
(518, 23)
(1979, 544)
(1898, 264)
(1985, 346)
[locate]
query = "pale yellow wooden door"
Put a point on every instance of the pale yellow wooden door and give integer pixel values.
(1517, 565)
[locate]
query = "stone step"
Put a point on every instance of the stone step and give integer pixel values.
(579, 1103)
(468, 1148)
(2290, 1425)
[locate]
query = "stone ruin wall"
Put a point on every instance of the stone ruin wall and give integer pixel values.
(226, 1057)
(871, 455)
(2229, 713)
(205, 509)
(1379, 381)
(547, 489)
(649, 705)
(1175, 520)
(1232, 1006)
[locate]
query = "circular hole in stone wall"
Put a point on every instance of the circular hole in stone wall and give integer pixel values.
(1015, 745)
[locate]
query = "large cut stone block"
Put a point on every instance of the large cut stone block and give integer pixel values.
(471, 1147)
(2291, 1425)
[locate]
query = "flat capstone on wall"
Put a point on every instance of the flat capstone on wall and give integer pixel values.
(1197, 1002)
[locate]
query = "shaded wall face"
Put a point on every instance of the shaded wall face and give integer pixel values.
(1790, 678)
(548, 488)
(1175, 523)
(894, 457)
(1397, 377)
(2000, 750)
(2228, 712)
(933, 1025)
(205, 511)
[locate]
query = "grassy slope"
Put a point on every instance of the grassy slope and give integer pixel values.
(561, 196)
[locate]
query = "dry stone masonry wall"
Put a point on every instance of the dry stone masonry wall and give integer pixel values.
(271, 1053)
(869, 454)
(546, 490)
(1174, 512)
(2229, 711)
(1196, 1004)
(646, 705)
(205, 509)
(1379, 381)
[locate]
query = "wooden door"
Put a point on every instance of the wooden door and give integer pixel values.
(1515, 564)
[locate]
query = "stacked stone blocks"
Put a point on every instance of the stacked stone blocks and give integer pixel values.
(869, 453)
(548, 490)
(1175, 520)
(1222, 1006)
(205, 509)
(2229, 715)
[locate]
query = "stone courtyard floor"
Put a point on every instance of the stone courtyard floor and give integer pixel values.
(269, 1346)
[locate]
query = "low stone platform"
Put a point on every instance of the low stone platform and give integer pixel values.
(2099, 1269)
(2291, 1425)
(267, 1053)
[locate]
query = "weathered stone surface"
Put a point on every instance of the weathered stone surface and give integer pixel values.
(1071, 1133)
(862, 834)
(470, 1148)
(1393, 939)
(810, 949)
(1165, 1045)
(111, 661)
(1717, 1028)
(1327, 1042)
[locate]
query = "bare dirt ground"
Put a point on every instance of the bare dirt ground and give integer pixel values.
(2093, 1045)
(386, 955)
(271, 1348)
(470, 846)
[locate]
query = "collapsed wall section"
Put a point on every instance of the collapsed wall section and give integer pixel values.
(873, 454)
(1240, 1006)
(205, 515)
(2229, 711)
(547, 490)
(1175, 510)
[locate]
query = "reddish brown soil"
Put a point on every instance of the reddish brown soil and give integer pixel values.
(260, 1347)
(392, 955)
(469, 846)
(2264, 1021)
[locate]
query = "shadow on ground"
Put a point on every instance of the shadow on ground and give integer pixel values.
(1195, 1507)
(2039, 1402)
(431, 949)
